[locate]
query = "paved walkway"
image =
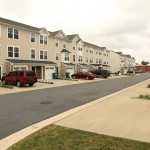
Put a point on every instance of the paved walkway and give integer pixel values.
(119, 114)
(122, 115)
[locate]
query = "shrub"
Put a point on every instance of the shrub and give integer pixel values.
(146, 97)
(148, 86)
(6, 86)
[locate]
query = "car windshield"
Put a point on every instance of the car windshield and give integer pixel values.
(30, 74)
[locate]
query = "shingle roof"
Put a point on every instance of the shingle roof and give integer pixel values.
(54, 33)
(10, 22)
(71, 37)
(65, 50)
(20, 61)
(93, 45)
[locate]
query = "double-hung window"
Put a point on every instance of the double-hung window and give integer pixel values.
(56, 56)
(43, 39)
(13, 52)
(66, 56)
(79, 58)
(43, 54)
(32, 37)
(13, 33)
(32, 53)
(74, 58)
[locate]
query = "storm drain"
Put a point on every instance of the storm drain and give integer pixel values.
(46, 102)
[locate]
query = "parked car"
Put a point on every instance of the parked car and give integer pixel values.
(101, 73)
(139, 71)
(20, 78)
(84, 75)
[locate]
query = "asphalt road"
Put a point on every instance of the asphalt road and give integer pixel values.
(21, 110)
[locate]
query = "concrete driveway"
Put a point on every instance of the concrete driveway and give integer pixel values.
(122, 115)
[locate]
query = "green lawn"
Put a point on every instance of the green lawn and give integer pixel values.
(59, 138)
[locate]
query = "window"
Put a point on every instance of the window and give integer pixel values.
(66, 56)
(100, 61)
(74, 48)
(13, 52)
(64, 46)
(79, 58)
(32, 37)
(96, 52)
(79, 48)
(56, 44)
(13, 33)
(91, 60)
(100, 53)
(74, 58)
(56, 56)
(96, 60)
(86, 59)
(32, 54)
(87, 50)
(43, 39)
(43, 54)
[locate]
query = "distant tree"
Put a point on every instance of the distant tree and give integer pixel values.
(144, 62)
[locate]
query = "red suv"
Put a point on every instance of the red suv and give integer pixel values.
(20, 77)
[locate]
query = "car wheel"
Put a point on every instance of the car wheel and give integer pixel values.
(19, 84)
(31, 84)
(4, 82)
(87, 78)
(74, 77)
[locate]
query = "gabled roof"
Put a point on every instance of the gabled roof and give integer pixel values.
(91, 45)
(55, 33)
(41, 29)
(14, 23)
(72, 36)
(64, 50)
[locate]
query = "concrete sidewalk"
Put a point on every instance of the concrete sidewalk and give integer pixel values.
(122, 115)
(119, 114)
(57, 83)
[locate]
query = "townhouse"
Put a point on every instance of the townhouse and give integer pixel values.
(47, 53)
(121, 62)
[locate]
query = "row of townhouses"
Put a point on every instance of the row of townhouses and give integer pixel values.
(27, 47)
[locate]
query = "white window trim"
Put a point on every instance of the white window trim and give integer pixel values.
(31, 37)
(13, 33)
(13, 53)
(43, 51)
(35, 53)
(56, 55)
(43, 39)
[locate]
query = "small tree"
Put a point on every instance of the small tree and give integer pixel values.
(144, 62)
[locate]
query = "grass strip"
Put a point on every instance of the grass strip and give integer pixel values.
(61, 138)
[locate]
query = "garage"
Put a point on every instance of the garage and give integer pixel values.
(84, 68)
(49, 70)
(70, 70)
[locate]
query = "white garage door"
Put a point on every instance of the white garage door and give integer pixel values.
(70, 70)
(49, 72)
(84, 69)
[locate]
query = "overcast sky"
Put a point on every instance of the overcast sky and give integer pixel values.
(119, 25)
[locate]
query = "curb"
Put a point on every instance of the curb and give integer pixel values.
(14, 138)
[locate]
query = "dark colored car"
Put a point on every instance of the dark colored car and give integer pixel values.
(139, 71)
(101, 73)
(20, 78)
(84, 75)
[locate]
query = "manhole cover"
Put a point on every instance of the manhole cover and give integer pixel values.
(46, 102)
